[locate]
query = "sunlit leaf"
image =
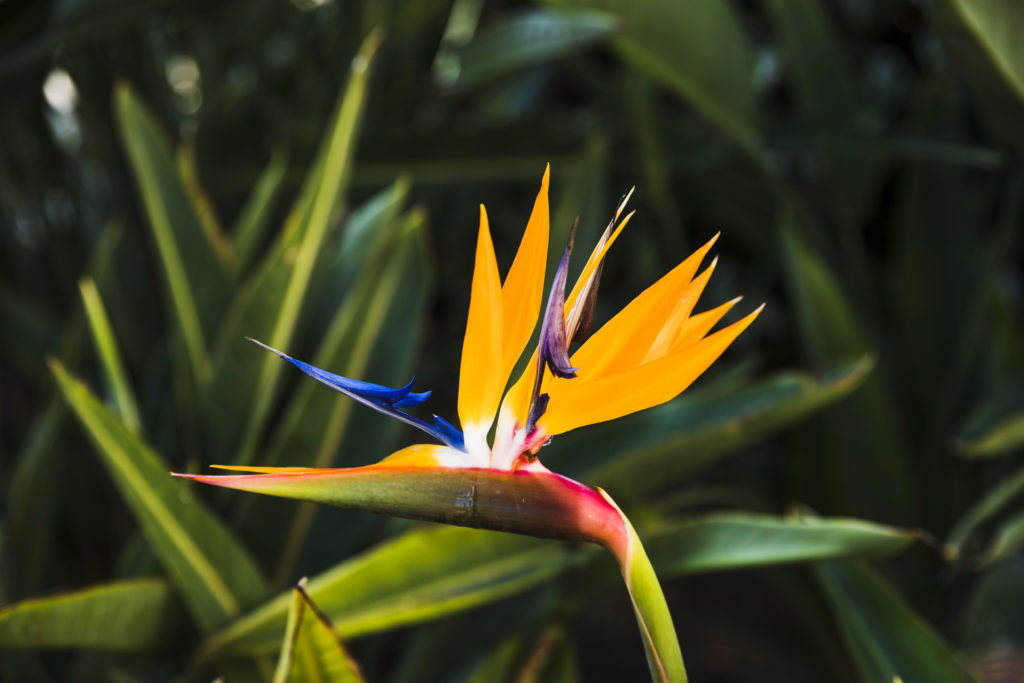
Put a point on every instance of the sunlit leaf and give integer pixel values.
(311, 649)
(1007, 540)
(242, 389)
(982, 36)
(418, 576)
(1004, 436)
(253, 220)
(383, 306)
(136, 615)
(188, 170)
(213, 574)
(110, 357)
(196, 283)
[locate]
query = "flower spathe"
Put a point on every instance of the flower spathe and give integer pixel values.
(643, 356)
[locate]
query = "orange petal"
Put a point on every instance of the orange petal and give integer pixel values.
(625, 339)
(575, 403)
(695, 327)
(421, 455)
(480, 381)
(517, 400)
(670, 328)
(524, 286)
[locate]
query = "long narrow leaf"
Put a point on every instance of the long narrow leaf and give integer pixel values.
(242, 389)
(138, 615)
(212, 572)
(254, 218)
(384, 305)
(695, 48)
(533, 37)
(983, 510)
(320, 653)
(866, 472)
(698, 430)
(196, 283)
(419, 576)
(888, 640)
(109, 356)
(735, 540)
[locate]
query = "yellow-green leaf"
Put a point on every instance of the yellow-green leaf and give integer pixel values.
(137, 615)
(212, 572)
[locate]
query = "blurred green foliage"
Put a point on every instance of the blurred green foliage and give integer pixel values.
(174, 177)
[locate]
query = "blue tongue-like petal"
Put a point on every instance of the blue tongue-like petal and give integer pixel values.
(383, 399)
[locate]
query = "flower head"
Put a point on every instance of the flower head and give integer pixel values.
(643, 356)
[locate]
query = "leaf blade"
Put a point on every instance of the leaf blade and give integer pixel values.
(136, 615)
(208, 566)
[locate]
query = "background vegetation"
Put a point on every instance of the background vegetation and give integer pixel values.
(174, 176)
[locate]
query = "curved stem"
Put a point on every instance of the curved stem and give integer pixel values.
(664, 658)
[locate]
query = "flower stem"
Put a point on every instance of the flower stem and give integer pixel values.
(664, 658)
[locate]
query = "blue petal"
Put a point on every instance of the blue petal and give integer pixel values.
(382, 399)
(412, 399)
(453, 436)
(367, 389)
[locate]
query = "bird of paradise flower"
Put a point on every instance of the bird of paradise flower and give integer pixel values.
(643, 356)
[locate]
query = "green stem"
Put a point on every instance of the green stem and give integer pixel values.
(664, 658)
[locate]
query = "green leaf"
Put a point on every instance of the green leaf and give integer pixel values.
(316, 419)
(212, 572)
(887, 639)
(188, 171)
(1006, 541)
(139, 615)
(995, 610)
(535, 656)
(254, 219)
(421, 575)
(312, 650)
(698, 50)
(983, 38)
(197, 285)
(827, 90)
(28, 330)
(735, 540)
(698, 430)
(242, 389)
(286, 658)
(1004, 436)
(532, 37)
(110, 358)
(987, 507)
(33, 499)
(385, 304)
(865, 472)
(826, 85)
